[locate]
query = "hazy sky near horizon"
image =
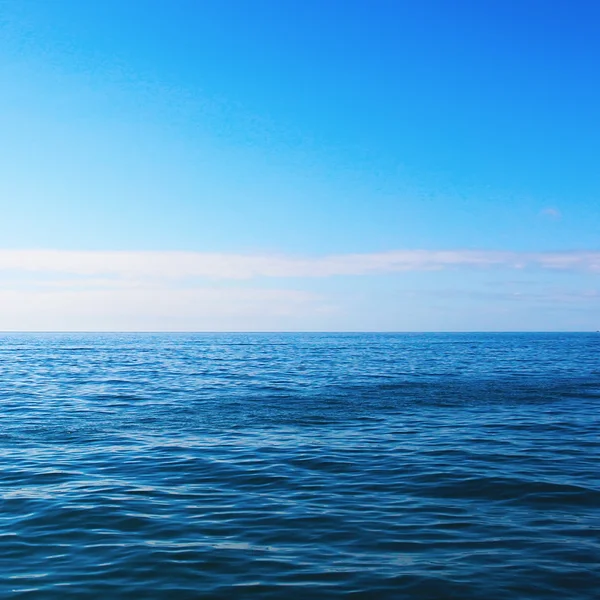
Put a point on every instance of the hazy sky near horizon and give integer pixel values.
(299, 165)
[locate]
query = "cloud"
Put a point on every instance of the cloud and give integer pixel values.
(551, 213)
(171, 266)
(188, 291)
(558, 298)
(157, 309)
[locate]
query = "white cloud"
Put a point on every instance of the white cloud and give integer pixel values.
(173, 265)
(152, 291)
(551, 213)
(155, 309)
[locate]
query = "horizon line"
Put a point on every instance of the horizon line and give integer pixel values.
(290, 331)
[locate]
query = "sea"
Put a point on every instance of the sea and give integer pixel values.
(313, 465)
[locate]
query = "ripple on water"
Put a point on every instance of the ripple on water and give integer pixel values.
(300, 466)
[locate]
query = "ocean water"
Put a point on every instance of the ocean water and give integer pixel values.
(417, 466)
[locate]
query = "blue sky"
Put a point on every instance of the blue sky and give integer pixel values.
(299, 165)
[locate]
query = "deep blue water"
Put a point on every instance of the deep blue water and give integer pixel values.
(425, 466)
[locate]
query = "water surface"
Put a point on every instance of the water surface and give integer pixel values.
(425, 466)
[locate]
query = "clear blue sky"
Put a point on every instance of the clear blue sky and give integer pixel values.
(295, 130)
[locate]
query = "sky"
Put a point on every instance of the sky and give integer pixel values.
(299, 165)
